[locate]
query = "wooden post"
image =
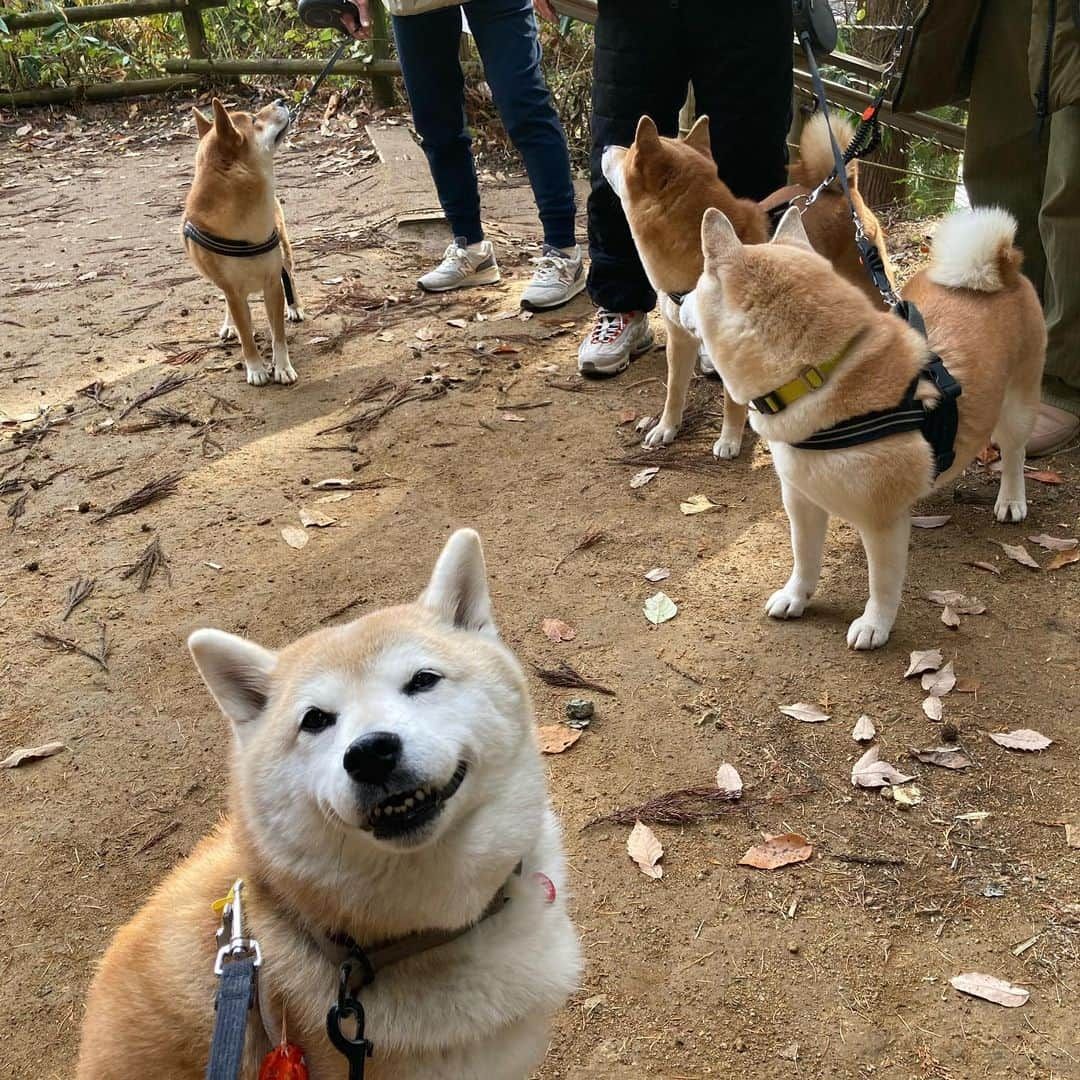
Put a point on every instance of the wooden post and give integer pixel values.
(382, 86)
(688, 113)
(194, 31)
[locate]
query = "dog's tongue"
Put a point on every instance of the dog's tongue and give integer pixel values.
(547, 885)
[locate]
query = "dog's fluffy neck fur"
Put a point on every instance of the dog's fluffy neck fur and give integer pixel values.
(228, 189)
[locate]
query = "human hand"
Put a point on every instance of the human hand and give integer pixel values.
(545, 10)
(358, 25)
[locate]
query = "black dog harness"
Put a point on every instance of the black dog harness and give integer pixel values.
(240, 249)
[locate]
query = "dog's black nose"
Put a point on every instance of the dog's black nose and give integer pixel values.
(373, 757)
(279, 102)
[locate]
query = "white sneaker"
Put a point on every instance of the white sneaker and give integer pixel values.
(462, 266)
(559, 276)
(615, 339)
(705, 364)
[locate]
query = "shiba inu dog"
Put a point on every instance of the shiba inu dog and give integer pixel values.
(666, 185)
(780, 321)
(387, 792)
(234, 230)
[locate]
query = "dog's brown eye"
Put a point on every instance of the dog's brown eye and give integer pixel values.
(316, 720)
(423, 680)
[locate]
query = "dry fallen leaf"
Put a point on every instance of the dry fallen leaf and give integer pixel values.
(967, 686)
(1055, 543)
(640, 479)
(906, 796)
(658, 573)
(511, 418)
(555, 630)
(31, 753)
(990, 988)
(940, 682)
(697, 504)
(646, 850)
(458, 324)
(949, 617)
(864, 729)
(555, 738)
(961, 604)
(294, 537)
(989, 567)
(337, 496)
(660, 608)
(729, 780)
(932, 707)
(777, 851)
(948, 757)
(1022, 739)
(627, 416)
(315, 519)
(1044, 476)
(924, 660)
(932, 521)
(425, 333)
(1018, 553)
(868, 772)
(1063, 558)
(808, 714)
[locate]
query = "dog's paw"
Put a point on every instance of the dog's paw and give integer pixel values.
(285, 374)
(228, 333)
(661, 435)
(785, 605)
(1006, 510)
(865, 633)
(294, 313)
(257, 376)
(726, 449)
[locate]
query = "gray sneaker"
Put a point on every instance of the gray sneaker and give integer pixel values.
(559, 276)
(615, 339)
(462, 267)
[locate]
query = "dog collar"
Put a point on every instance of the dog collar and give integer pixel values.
(237, 249)
(812, 377)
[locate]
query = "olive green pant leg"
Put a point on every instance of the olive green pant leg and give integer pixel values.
(1060, 226)
(1004, 159)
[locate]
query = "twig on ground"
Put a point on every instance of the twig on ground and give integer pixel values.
(100, 475)
(866, 860)
(148, 493)
(160, 835)
(565, 676)
(403, 395)
(591, 538)
(65, 645)
(17, 509)
(93, 392)
(148, 564)
(687, 806)
(77, 592)
(166, 386)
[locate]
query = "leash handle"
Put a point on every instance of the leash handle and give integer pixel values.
(235, 995)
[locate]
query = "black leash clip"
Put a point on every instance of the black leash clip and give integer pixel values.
(354, 1048)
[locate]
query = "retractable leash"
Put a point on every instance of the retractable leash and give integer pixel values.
(323, 15)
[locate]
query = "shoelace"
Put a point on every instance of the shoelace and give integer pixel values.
(454, 257)
(609, 325)
(549, 269)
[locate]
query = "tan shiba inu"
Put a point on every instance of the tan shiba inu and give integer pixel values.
(231, 205)
(387, 791)
(777, 317)
(666, 185)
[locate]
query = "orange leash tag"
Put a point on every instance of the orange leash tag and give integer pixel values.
(284, 1062)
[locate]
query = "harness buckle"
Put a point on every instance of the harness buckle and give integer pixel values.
(232, 942)
(812, 378)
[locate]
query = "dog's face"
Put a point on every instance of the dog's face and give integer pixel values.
(395, 732)
(240, 137)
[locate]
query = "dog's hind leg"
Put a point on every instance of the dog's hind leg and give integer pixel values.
(1018, 412)
(809, 523)
(240, 314)
(228, 327)
(682, 349)
(274, 299)
(293, 311)
(886, 555)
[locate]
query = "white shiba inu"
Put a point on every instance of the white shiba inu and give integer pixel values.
(386, 790)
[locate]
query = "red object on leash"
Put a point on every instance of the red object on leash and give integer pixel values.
(284, 1062)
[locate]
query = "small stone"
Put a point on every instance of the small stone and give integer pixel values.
(357, 466)
(84, 507)
(580, 710)
(32, 566)
(305, 480)
(949, 732)
(184, 312)
(793, 947)
(740, 1045)
(69, 408)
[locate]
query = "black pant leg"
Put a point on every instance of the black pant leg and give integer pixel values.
(638, 69)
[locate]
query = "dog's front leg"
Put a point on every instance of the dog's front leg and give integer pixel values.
(274, 301)
(257, 374)
(228, 327)
(731, 433)
(886, 555)
(681, 355)
(809, 523)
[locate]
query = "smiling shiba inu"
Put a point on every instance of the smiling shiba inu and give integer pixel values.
(666, 185)
(827, 366)
(387, 791)
(234, 230)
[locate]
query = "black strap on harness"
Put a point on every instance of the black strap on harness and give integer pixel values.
(236, 249)
(235, 996)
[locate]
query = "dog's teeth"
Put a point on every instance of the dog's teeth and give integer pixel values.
(377, 812)
(410, 803)
(420, 795)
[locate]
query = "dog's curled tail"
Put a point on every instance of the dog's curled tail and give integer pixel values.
(975, 249)
(815, 150)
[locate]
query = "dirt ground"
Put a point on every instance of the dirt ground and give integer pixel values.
(837, 967)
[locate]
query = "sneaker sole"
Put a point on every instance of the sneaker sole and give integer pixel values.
(486, 277)
(576, 289)
(593, 372)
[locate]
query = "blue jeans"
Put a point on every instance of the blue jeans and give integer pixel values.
(506, 37)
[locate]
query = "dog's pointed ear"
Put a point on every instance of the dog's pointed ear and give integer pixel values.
(203, 123)
(223, 126)
(719, 241)
(236, 672)
(458, 588)
(698, 137)
(792, 231)
(647, 138)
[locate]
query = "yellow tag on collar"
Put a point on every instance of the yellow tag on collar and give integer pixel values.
(219, 905)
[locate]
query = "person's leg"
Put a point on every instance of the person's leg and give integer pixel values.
(639, 69)
(739, 59)
(508, 43)
(427, 46)
(1004, 161)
